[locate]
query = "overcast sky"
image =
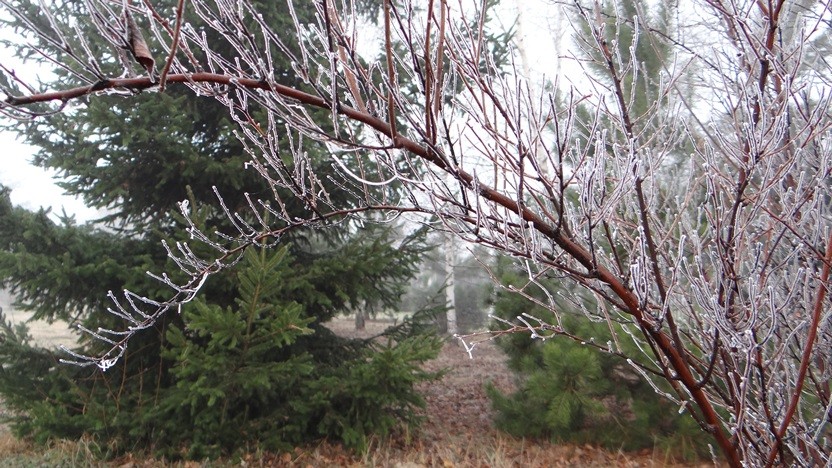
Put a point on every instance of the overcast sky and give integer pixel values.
(33, 187)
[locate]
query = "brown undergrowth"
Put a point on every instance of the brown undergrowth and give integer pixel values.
(457, 431)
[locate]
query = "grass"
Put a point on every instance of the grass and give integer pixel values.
(21, 453)
(458, 451)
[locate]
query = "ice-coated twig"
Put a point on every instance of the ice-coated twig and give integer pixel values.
(696, 230)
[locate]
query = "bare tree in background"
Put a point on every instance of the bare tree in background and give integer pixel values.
(701, 222)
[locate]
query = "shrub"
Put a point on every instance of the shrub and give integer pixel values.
(572, 392)
(261, 373)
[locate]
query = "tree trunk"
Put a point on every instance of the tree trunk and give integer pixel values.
(450, 297)
(360, 319)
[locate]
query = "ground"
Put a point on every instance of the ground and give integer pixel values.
(457, 431)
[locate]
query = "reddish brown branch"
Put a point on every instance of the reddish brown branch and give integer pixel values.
(674, 355)
(391, 70)
(174, 46)
(809, 346)
(673, 349)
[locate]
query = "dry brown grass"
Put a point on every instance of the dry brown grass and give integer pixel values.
(10, 445)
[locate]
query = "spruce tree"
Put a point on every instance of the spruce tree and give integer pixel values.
(250, 362)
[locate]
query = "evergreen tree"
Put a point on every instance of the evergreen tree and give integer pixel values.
(576, 391)
(251, 361)
(586, 392)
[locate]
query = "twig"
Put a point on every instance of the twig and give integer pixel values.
(163, 76)
(808, 347)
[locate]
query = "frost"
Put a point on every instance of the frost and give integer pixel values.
(696, 230)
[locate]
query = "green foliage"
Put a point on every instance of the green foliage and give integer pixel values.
(258, 373)
(569, 391)
(634, 47)
(241, 377)
(250, 362)
(639, 37)
(63, 270)
(372, 394)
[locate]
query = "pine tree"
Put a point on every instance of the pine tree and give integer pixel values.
(251, 361)
(579, 391)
